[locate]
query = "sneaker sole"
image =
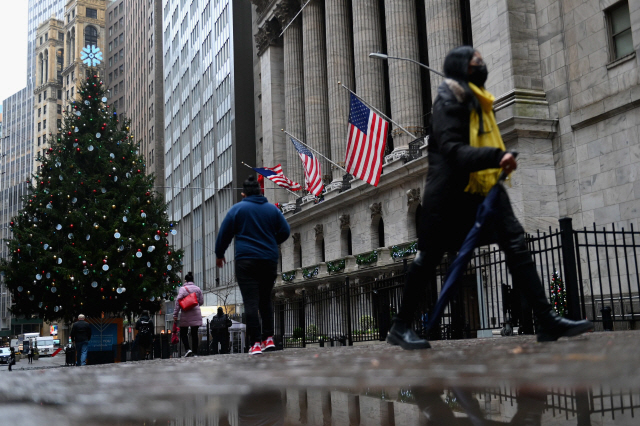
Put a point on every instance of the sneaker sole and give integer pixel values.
(396, 341)
(572, 332)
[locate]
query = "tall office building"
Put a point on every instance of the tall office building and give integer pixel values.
(47, 113)
(208, 124)
(114, 55)
(144, 99)
(15, 170)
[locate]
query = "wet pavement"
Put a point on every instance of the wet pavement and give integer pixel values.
(592, 379)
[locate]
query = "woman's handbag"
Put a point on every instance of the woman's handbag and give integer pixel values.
(189, 301)
(175, 334)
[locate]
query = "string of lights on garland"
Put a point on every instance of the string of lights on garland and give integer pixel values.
(367, 258)
(404, 250)
(310, 272)
(336, 265)
(558, 295)
(288, 276)
(92, 236)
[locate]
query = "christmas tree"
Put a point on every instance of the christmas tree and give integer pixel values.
(558, 295)
(92, 235)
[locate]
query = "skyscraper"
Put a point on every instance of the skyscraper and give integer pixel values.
(208, 123)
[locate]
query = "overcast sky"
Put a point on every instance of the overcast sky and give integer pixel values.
(13, 46)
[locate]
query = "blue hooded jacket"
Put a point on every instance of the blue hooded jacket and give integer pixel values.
(259, 227)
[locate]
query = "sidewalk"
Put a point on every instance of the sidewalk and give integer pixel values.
(162, 386)
(41, 363)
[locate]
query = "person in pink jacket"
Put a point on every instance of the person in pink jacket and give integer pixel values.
(191, 318)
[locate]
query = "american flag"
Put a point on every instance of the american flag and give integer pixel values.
(275, 175)
(312, 172)
(367, 140)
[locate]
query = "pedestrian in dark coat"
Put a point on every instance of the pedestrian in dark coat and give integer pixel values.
(258, 228)
(12, 358)
(80, 335)
(219, 325)
(466, 155)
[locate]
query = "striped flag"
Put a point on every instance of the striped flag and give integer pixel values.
(275, 175)
(367, 140)
(312, 172)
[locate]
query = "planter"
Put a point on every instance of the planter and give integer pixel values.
(36, 357)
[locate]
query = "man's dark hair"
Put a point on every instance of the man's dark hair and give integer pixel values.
(251, 186)
(189, 277)
(456, 63)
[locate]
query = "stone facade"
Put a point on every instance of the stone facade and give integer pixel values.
(566, 100)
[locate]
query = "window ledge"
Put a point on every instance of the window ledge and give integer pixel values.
(622, 60)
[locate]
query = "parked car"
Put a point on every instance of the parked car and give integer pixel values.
(5, 353)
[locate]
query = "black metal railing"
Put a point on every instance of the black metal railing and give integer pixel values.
(598, 267)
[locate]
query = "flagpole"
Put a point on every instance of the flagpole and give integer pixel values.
(378, 111)
(273, 182)
(294, 18)
(341, 168)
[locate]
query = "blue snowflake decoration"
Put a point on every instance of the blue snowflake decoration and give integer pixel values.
(91, 55)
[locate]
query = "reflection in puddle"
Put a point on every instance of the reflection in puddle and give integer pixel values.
(597, 406)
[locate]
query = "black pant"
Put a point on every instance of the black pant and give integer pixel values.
(256, 278)
(223, 339)
(504, 229)
(184, 336)
(30, 358)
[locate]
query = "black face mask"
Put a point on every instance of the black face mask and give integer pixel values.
(479, 75)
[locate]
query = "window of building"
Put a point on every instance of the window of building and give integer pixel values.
(39, 111)
(59, 94)
(92, 13)
(110, 61)
(39, 138)
(44, 109)
(40, 40)
(39, 97)
(115, 26)
(110, 46)
(381, 233)
(619, 25)
(39, 126)
(110, 31)
(110, 16)
(44, 124)
(90, 36)
(59, 108)
(115, 73)
(72, 92)
(44, 95)
(120, 7)
(73, 75)
(60, 121)
(46, 37)
(60, 36)
(110, 77)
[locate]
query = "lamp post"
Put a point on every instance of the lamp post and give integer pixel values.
(387, 57)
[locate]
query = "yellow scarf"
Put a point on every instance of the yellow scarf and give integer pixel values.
(482, 181)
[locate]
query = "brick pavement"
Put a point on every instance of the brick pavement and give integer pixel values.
(158, 386)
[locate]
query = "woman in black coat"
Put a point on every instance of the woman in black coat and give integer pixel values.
(454, 191)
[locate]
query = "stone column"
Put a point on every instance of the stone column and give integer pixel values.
(444, 32)
(339, 68)
(367, 38)
(404, 77)
(314, 54)
(274, 151)
(294, 110)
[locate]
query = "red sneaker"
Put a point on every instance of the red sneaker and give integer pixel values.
(268, 344)
(255, 349)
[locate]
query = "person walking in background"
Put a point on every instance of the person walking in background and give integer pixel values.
(80, 335)
(220, 324)
(144, 338)
(12, 357)
(30, 354)
(191, 319)
(258, 227)
(466, 156)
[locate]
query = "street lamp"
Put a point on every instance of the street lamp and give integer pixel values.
(386, 57)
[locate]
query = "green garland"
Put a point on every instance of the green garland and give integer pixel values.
(367, 258)
(336, 265)
(288, 276)
(310, 272)
(403, 250)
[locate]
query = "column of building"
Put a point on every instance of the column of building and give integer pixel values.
(404, 77)
(339, 69)
(367, 38)
(271, 54)
(294, 105)
(314, 54)
(444, 32)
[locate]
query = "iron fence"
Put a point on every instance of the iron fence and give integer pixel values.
(598, 269)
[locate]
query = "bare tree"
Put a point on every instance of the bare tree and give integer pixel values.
(223, 292)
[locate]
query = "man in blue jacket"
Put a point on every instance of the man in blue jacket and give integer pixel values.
(259, 227)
